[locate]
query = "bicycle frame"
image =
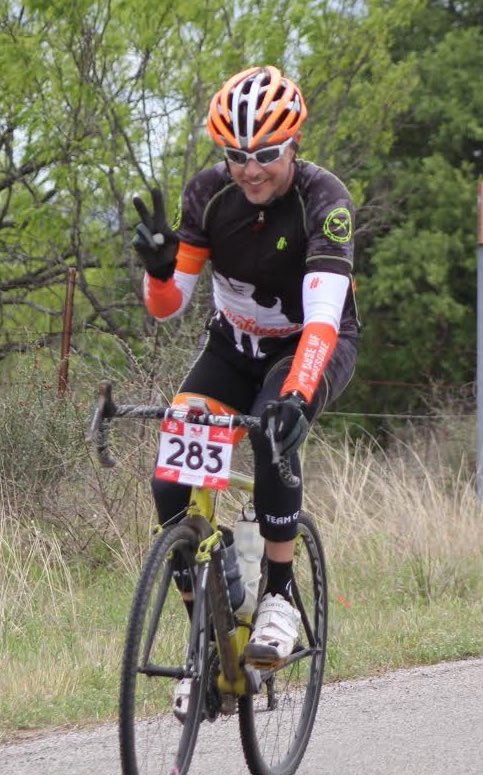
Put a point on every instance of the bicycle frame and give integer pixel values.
(231, 632)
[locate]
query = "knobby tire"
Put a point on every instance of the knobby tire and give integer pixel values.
(152, 739)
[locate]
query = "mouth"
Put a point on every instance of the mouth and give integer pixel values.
(255, 183)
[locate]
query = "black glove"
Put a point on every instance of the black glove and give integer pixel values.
(155, 243)
(290, 424)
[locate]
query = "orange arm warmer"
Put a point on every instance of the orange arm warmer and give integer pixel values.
(312, 355)
(163, 298)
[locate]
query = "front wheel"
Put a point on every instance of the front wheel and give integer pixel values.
(162, 647)
(275, 725)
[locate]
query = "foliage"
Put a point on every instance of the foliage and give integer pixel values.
(100, 100)
(418, 287)
(41, 437)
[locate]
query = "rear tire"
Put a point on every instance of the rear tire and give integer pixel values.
(152, 739)
(276, 724)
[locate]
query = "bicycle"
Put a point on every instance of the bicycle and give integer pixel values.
(276, 704)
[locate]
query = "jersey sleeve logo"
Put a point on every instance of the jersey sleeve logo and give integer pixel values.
(338, 225)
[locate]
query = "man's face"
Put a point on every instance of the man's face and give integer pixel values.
(263, 182)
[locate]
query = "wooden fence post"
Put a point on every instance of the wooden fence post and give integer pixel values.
(66, 331)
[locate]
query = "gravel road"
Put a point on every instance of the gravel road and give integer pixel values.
(423, 721)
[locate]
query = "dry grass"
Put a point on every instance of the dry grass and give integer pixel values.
(403, 535)
(402, 530)
(396, 509)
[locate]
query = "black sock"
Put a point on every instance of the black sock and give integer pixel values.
(279, 578)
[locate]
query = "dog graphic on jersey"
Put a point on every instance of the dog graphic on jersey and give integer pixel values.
(251, 316)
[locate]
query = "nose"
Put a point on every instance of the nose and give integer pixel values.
(252, 168)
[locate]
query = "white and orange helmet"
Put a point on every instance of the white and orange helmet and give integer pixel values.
(258, 106)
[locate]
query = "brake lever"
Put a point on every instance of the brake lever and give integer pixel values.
(282, 462)
(271, 435)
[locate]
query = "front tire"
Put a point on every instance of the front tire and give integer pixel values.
(156, 657)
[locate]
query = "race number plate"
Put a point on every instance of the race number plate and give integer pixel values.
(194, 454)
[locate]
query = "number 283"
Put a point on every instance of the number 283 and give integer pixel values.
(195, 456)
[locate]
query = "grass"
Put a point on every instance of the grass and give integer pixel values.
(375, 638)
(401, 527)
(60, 659)
(403, 535)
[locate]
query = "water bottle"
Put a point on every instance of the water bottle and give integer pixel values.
(231, 567)
(249, 544)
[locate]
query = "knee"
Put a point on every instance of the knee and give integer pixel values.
(260, 445)
(280, 527)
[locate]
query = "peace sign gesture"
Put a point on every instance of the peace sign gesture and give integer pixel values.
(155, 243)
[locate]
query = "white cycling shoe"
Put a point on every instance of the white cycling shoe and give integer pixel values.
(181, 698)
(275, 632)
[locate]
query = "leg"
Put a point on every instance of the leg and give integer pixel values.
(215, 374)
(278, 508)
(289, 699)
(219, 374)
(276, 505)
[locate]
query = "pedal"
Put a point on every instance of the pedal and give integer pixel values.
(263, 657)
(228, 704)
(264, 666)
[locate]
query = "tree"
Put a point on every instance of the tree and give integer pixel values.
(103, 99)
(96, 104)
(419, 288)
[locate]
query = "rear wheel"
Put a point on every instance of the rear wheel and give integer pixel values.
(276, 724)
(162, 647)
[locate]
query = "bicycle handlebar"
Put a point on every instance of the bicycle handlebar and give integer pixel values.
(106, 410)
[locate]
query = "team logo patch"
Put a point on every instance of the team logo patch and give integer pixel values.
(338, 226)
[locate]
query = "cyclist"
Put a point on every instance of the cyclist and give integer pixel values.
(278, 233)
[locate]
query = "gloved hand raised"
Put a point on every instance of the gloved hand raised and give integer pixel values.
(290, 426)
(155, 243)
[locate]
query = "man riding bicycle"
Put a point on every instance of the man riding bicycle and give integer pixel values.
(278, 232)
